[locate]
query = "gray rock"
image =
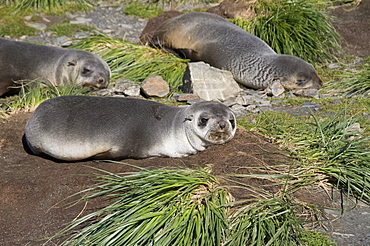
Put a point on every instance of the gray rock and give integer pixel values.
(155, 86)
(276, 89)
(127, 87)
(38, 26)
(81, 21)
(212, 84)
(310, 105)
(103, 92)
(239, 111)
(334, 66)
(314, 93)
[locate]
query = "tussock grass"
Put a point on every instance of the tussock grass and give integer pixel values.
(44, 5)
(34, 92)
(155, 207)
(266, 222)
(143, 11)
(327, 147)
(179, 207)
(135, 62)
(296, 27)
(13, 24)
(354, 83)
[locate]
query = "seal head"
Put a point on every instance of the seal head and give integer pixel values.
(209, 123)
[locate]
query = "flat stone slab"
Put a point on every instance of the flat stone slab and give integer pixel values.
(212, 84)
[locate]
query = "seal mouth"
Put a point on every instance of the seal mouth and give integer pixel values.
(218, 137)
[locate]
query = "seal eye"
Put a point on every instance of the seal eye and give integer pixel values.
(300, 82)
(85, 71)
(203, 122)
(232, 122)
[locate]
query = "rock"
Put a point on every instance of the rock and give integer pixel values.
(314, 93)
(354, 128)
(209, 83)
(127, 87)
(103, 92)
(239, 111)
(62, 41)
(81, 20)
(334, 66)
(28, 17)
(276, 89)
(232, 9)
(155, 86)
(310, 105)
(186, 97)
(38, 26)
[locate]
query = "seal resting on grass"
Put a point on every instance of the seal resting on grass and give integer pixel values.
(58, 66)
(207, 37)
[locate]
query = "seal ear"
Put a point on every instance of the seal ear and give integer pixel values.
(189, 117)
(72, 63)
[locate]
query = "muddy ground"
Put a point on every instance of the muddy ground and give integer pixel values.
(31, 186)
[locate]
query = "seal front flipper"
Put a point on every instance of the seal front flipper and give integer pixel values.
(187, 54)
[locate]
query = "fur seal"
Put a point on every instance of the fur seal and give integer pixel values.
(207, 37)
(73, 128)
(59, 66)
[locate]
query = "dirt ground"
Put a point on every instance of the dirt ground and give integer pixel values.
(31, 187)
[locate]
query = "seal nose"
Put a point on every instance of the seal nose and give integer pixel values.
(222, 124)
(102, 83)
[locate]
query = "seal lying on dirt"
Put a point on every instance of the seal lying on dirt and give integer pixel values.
(27, 61)
(212, 39)
(74, 128)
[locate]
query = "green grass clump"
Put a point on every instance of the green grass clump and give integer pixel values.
(12, 24)
(355, 83)
(155, 207)
(142, 11)
(135, 62)
(44, 5)
(326, 146)
(265, 222)
(68, 29)
(314, 238)
(180, 207)
(296, 27)
(33, 93)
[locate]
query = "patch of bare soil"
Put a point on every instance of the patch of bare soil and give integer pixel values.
(353, 24)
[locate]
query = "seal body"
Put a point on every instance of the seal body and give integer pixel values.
(58, 66)
(74, 128)
(210, 38)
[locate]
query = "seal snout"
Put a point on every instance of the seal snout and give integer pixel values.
(222, 124)
(102, 82)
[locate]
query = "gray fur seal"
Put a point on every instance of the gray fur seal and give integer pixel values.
(207, 37)
(73, 128)
(59, 66)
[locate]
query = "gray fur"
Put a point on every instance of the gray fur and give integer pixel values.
(58, 66)
(212, 39)
(78, 127)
